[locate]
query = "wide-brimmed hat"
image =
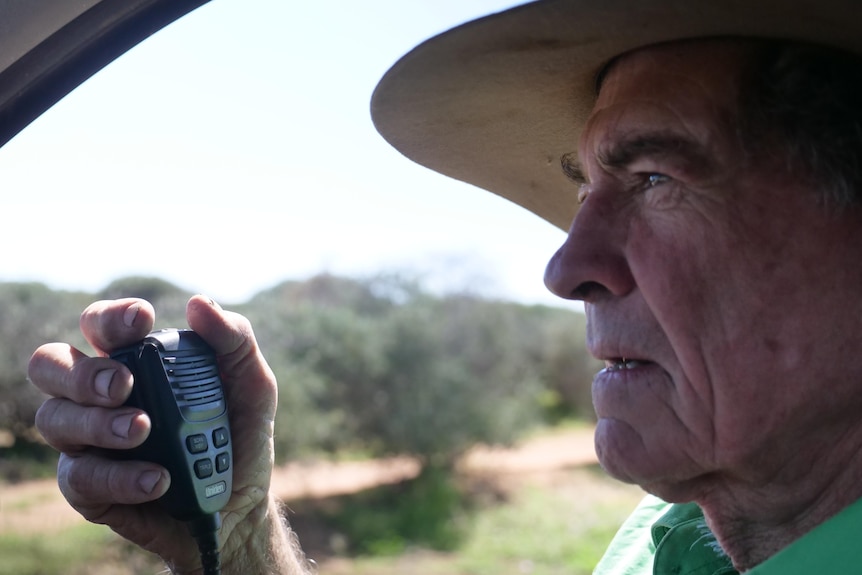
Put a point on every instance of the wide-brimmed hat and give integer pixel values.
(496, 102)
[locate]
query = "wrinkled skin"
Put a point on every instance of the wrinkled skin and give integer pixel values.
(733, 288)
(85, 412)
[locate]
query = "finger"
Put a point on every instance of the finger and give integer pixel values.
(109, 324)
(228, 333)
(250, 385)
(70, 427)
(60, 370)
(231, 336)
(92, 484)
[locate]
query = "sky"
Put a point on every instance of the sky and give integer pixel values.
(234, 150)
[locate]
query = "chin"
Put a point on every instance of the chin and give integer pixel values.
(624, 456)
(619, 449)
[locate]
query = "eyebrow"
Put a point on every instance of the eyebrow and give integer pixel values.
(572, 168)
(622, 152)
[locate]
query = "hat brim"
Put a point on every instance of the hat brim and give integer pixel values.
(497, 101)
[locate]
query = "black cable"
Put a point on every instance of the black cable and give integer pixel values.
(205, 531)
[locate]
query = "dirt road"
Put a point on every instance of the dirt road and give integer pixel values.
(37, 506)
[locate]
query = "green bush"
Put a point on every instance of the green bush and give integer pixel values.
(428, 511)
(377, 366)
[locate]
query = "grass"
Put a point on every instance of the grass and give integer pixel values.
(544, 531)
(54, 553)
(25, 503)
(85, 549)
(552, 523)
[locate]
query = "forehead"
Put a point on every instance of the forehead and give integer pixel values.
(714, 67)
(690, 86)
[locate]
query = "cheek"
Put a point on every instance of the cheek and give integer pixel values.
(677, 271)
(739, 322)
(711, 270)
(698, 291)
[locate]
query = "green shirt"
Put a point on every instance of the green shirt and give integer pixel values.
(663, 539)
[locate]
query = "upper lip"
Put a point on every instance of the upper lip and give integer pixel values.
(614, 337)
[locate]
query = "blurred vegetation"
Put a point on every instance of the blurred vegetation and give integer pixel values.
(558, 524)
(430, 511)
(79, 545)
(366, 368)
(377, 366)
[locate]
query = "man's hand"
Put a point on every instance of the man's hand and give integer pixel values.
(85, 414)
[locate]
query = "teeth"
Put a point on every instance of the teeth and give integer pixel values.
(620, 364)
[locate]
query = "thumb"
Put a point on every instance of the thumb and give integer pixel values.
(230, 335)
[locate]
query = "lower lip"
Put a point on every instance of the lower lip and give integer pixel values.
(614, 388)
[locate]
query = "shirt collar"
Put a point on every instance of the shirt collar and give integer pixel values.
(685, 545)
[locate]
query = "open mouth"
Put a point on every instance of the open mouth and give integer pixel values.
(622, 363)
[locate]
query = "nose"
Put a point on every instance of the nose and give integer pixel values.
(591, 264)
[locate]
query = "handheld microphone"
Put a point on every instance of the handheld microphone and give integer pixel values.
(176, 382)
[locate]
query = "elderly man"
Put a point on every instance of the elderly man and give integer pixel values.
(711, 161)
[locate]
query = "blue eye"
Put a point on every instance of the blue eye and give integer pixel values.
(654, 180)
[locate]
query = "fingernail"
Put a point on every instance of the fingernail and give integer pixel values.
(148, 480)
(122, 424)
(103, 382)
(130, 314)
(211, 301)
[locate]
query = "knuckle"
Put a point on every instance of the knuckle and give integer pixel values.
(91, 483)
(45, 420)
(242, 341)
(76, 477)
(116, 480)
(76, 381)
(78, 481)
(62, 371)
(39, 356)
(95, 428)
(69, 427)
(45, 362)
(110, 323)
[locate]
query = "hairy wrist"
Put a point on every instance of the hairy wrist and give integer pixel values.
(262, 542)
(269, 546)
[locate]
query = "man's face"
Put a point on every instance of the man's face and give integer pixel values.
(731, 293)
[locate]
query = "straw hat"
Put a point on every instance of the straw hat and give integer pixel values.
(497, 101)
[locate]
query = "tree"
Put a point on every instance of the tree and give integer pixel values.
(31, 314)
(376, 365)
(404, 372)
